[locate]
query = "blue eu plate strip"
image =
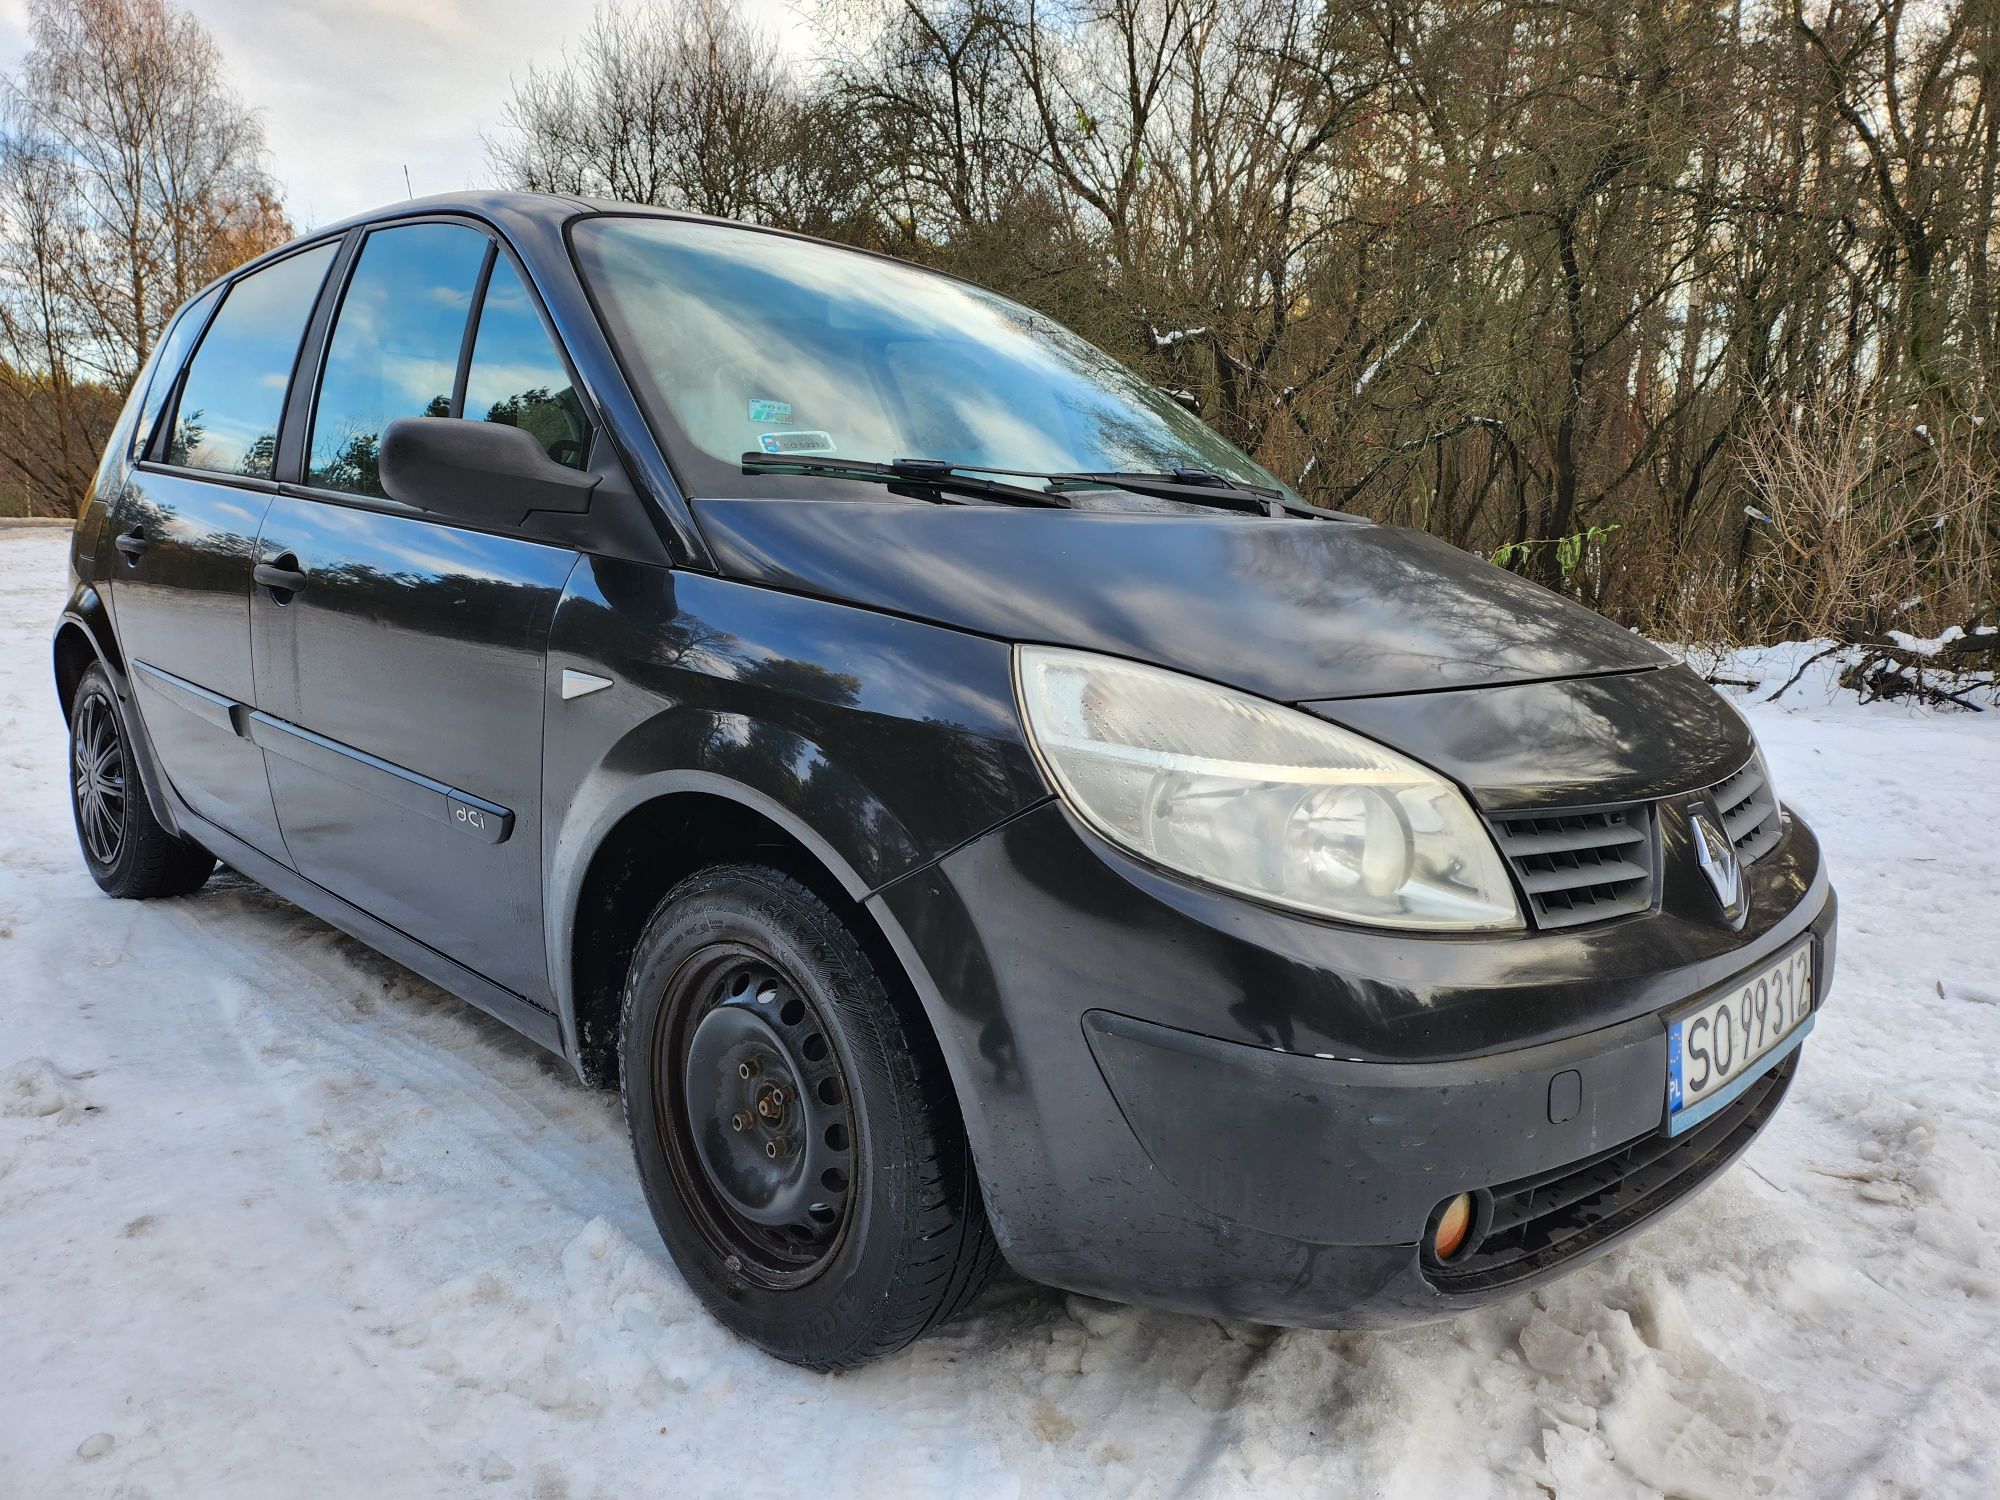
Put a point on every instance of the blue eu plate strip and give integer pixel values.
(1686, 1119)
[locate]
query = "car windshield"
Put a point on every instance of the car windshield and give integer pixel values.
(743, 341)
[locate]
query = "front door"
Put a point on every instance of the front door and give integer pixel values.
(185, 531)
(400, 670)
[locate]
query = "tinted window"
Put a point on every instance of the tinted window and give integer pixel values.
(395, 346)
(235, 391)
(516, 375)
(167, 361)
(745, 341)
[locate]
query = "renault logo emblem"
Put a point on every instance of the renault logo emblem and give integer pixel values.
(1717, 858)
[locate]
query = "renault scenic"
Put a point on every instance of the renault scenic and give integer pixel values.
(968, 807)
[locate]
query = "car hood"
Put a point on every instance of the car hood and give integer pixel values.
(1288, 608)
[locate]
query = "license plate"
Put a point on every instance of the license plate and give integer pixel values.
(1716, 1049)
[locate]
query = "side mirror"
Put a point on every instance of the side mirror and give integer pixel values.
(484, 473)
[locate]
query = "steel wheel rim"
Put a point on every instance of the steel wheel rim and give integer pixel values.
(97, 779)
(776, 1220)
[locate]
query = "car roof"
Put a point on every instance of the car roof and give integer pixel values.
(497, 207)
(479, 203)
(497, 203)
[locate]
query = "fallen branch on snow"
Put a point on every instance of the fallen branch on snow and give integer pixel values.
(1945, 679)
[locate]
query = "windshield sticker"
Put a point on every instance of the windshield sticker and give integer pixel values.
(795, 442)
(762, 410)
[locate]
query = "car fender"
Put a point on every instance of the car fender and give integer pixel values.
(876, 743)
(87, 610)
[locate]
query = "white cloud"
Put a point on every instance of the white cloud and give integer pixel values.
(353, 93)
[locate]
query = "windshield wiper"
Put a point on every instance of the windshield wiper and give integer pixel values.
(1203, 487)
(931, 473)
(1194, 486)
(1191, 486)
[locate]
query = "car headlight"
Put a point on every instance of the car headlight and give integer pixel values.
(1259, 798)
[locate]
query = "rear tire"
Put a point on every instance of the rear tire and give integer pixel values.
(126, 850)
(795, 1131)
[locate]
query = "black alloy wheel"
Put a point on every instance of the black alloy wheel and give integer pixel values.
(126, 850)
(97, 779)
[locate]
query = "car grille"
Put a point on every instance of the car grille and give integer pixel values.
(1539, 1222)
(1579, 867)
(1749, 811)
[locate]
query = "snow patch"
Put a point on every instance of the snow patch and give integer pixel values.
(1368, 375)
(38, 1089)
(1631, 1392)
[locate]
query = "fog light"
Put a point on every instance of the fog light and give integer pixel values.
(1452, 1227)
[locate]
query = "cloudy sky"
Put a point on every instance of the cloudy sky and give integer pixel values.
(353, 91)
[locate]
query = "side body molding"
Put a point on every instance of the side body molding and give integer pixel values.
(409, 790)
(412, 791)
(224, 713)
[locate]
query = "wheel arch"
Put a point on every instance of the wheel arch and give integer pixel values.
(662, 830)
(84, 637)
(75, 653)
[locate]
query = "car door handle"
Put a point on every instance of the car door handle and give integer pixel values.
(132, 544)
(280, 575)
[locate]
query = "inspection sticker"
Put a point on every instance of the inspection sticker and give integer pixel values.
(762, 410)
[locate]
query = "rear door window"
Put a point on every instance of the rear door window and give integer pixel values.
(396, 346)
(234, 395)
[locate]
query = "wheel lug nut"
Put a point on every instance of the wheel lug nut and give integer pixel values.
(748, 1069)
(771, 1149)
(740, 1122)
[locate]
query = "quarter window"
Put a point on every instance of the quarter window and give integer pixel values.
(234, 395)
(516, 375)
(395, 348)
(167, 365)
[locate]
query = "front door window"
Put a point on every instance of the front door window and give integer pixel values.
(396, 346)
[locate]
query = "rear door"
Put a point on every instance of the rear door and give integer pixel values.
(185, 531)
(400, 669)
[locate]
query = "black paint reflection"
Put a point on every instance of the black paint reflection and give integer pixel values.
(890, 738)
(1289, 609)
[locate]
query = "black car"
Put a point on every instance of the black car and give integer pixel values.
(969, 807)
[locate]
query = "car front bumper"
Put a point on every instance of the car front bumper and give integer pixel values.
(1180, 1098)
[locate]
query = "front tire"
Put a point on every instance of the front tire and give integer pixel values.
(126, 850)
(795, 1131)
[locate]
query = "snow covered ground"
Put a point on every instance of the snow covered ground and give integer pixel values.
(279, 1219)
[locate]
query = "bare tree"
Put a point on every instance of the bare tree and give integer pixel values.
(129, 177)
(1548, 280)
(676, 102)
